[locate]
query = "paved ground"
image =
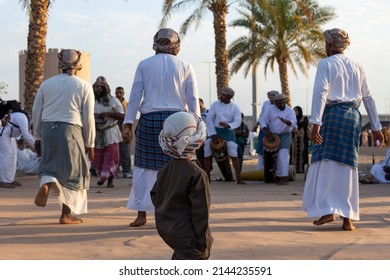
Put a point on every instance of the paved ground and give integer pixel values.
(257, 221)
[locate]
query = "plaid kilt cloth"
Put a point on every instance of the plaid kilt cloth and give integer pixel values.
(148, 153)
(340, 131)
(285, 140)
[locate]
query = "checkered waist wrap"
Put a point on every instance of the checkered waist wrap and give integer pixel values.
(148, 153)
(285, 140)
(340, 131)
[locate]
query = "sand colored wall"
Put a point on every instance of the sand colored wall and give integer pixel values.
(51, 63)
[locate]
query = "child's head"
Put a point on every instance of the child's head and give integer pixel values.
(21, 143)
(183, 133)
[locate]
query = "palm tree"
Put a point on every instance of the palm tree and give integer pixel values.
(219, 8)
(246, 49)
(36, 48)
(287, 32)
(3, 88)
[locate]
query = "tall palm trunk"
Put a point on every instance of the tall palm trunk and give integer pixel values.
(221, 57)
(36, 50)
(255, 112)
(284, 80)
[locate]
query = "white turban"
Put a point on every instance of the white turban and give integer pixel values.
(183, 133)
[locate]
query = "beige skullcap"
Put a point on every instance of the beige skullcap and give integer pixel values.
(227, 91)
(272, 93)
(69, 59)
(166, 40)
(338, 38)
(280, 97)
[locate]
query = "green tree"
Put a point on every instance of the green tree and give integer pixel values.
(3, 88)
(287, 32)
(219, 9)
(36, 48)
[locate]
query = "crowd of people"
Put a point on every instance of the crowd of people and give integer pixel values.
(88, 128)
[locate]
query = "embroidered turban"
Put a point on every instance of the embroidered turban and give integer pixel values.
(166, 40)
(338, 38)
(183, 133)
(69, 59)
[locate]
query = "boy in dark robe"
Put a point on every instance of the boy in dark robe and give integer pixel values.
(181, 193)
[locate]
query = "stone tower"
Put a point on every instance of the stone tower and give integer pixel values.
(51, 63)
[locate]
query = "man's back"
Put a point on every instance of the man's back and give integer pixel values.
(168, 83)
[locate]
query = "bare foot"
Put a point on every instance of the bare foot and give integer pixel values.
(42, 195)
(138, 222)
(325, 219)
(348, 224)
(68, 219)
(241, 182)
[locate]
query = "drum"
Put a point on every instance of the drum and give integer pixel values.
(220, 153)
(219, 149)
(272, 144)
(258, 175)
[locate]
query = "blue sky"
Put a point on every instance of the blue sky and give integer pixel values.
(118, 34)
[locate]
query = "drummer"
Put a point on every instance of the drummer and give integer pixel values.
(223, 117)
(279, 119)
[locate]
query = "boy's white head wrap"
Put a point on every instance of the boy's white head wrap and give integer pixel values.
(183, 133)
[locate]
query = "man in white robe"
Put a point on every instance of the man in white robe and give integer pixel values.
(64, 123)
(332, 184)
(27, 160)
(163, 84)
(278, 119)
(16, 126)
(223, 117)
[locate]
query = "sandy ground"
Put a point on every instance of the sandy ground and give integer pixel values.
(256, 221)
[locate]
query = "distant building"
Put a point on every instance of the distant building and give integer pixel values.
(51, 63)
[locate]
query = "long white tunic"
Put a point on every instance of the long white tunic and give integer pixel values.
(162, 82)
(18, 126)
(271, 119)
(109, 130)
(271, 116)
(220, 112)
(332, 187)
(377, 169)
(27, 161)
(69, 99)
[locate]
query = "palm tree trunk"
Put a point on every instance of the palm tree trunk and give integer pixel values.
(284, 80)
(254, 95)
(36, 50)
(219, 9)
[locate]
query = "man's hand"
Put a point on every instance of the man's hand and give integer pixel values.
(287, 122)
(378, 135)
(315, 134)
(127, 133)
(214, 138)
(224, 124)
(37, 148)
(91, 153)
(5, 120)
